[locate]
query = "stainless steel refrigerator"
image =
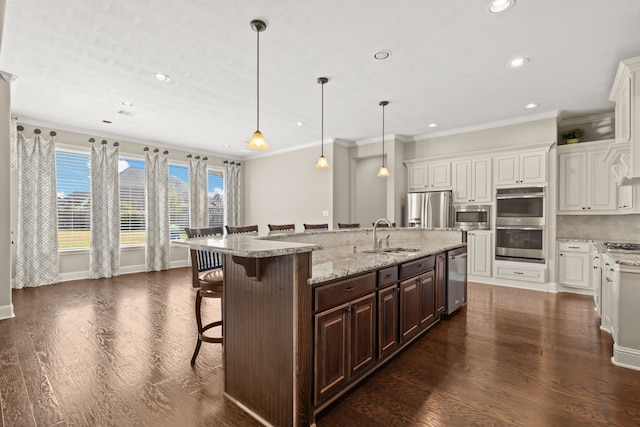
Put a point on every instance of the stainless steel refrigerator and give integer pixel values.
(432, 209)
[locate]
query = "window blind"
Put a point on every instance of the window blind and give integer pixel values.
(215, 186)
(178, 200)
(73, 187)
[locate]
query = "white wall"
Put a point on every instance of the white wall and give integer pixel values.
(6, 306)
(74, 264)
(371, 192)
(287, 188)
(510, 136)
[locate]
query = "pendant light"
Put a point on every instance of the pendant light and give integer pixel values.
(383, 172)
(257, 140)
(322, 161)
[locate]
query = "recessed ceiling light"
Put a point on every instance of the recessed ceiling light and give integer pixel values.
(517, 62)
(433, 125)
(531, 105)
(161, 77)
(300, 123)
(226, 146)
(496, 6)
(107, 121)
(126, 104)
(382, 54)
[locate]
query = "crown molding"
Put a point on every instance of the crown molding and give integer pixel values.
(586, 119)
(390, 137)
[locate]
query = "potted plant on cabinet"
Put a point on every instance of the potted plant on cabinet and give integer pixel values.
(572, 136)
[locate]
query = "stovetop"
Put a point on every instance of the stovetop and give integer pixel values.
(623, 247)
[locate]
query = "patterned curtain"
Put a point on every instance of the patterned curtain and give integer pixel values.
(232, 193)
(198, 192)
(104, 260)
(14, 143)
(37, 239)
(158, 232)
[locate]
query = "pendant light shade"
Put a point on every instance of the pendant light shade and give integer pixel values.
(322, 161)
(383, 172)
(257, 140)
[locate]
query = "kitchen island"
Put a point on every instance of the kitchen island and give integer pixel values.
(300, 330)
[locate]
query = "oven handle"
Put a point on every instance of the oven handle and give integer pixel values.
(520, 196)
(515, 227)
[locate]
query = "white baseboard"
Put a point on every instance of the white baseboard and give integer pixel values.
(6, 312)
(626, 357)
(130, 269)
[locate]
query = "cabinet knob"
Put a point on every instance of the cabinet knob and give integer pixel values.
(561, 254)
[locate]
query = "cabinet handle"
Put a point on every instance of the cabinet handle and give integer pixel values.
(349, 289)
(518, 272)
(574, 247)
(387, 276)
(589, 207)
(595, 268)
(611, 269)
(583, 208)
(419, 266)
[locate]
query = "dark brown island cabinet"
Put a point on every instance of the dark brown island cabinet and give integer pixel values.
(291, 348)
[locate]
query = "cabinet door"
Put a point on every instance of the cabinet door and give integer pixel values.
(439, 175)
(441, 283)
(601, 185)
(427, 292)
(480, 182)
(572, 179)
(331, 372)
(362, 331)
(574, 269)
(533, 168)
(418, 178)
(461, 180)
(409, 309)
(625, 197)
(387, 321)
(479, 248)
(507, 169)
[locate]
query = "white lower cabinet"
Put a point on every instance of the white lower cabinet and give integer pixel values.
(608, 277)
(480, 247)
(596, 278)
(574, 264)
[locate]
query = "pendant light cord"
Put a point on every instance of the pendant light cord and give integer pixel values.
(322, 121)
(383, 135)
(258, 82)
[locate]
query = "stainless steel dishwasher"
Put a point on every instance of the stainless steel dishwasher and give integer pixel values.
(456, 279)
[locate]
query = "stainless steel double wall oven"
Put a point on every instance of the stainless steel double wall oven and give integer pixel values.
(520, 224)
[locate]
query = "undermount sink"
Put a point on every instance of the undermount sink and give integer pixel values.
(389, 250)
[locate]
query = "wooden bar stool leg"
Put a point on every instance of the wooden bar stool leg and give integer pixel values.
(199, 323)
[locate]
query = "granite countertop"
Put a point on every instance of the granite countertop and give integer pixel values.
(247, 245)
(339, 262)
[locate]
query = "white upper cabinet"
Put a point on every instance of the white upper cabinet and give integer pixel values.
(430, 176)
(522, 168)
(471, 181)
(586, 183)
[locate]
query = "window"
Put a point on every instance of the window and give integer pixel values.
(178, 200)
(132, 201)
(73, 187)
(215, 187)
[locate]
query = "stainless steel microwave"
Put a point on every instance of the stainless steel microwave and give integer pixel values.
(472, 217)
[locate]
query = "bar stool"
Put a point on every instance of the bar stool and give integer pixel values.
(241, 229)
(207, 278)
(282, 227)
(343, 225)
(316, 226)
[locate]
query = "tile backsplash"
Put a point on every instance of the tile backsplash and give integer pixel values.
(618, 228)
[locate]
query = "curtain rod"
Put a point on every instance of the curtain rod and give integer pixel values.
(156, 150)
(36, 131)
(197, 157)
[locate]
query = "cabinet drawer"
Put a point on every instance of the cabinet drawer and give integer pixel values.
(574, 247)
(414, 268)
(523, 274)
(346, 290)
(388, 275)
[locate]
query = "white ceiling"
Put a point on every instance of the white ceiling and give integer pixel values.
(76, 61)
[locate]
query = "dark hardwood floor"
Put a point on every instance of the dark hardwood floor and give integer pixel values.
(116, 352)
